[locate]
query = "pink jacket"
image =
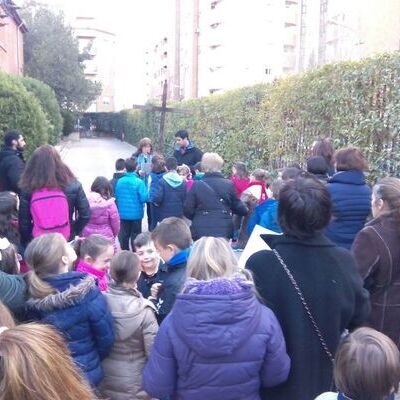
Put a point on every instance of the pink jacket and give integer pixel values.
(104, 218)
(100, 275)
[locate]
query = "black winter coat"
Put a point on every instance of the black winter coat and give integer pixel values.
(12, 166)
(79, 211)
(333, 289)
(191, 156)
(210, 204)
(170, 200)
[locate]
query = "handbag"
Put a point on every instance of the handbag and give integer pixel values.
(306, 308)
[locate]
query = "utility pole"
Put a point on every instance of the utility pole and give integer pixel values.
(177, 67)
(195, 59)
(162, 118)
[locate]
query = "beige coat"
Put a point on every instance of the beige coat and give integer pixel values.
(135, 328)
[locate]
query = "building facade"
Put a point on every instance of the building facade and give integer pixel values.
(12, 30)
(210, 46)
(99, 45)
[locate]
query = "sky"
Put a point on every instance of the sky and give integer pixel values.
(136, 24)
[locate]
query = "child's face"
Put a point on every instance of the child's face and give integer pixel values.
(166, 253)
(148, 257)
(69, 257)
(103, 260)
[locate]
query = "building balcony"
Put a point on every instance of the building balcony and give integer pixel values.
(290, 38)
(289, 60)
(291, 16)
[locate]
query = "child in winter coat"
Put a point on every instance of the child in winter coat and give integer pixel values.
(104, 217)
(367, 367)
(95, 253)
(135, 328)
(171, 192)
(150, 263)
(266, 213)
(157, 172)
(240, 177)
(172, 239)
(70, 301)
(184, 171)
(219, 341)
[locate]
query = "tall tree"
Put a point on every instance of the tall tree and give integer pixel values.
(52, 55)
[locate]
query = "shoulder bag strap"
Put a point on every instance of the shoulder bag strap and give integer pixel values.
(221, 200)
(307, 309)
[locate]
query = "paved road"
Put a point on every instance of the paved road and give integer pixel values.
(89, 158)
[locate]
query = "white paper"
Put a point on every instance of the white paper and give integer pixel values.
(255, 244)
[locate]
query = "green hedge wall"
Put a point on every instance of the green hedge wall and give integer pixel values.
(273, 125)
(21, 110)
(48, 101)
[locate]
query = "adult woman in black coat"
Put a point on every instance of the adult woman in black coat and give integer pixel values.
(212, 201)
(326, 276)
(45, 169)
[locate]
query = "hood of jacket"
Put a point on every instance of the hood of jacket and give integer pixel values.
(348, 177)
(72, 288)
(127, 307)
(8, 152)
(118, 174)
(173, 179)
(97, 201)
(213, 318)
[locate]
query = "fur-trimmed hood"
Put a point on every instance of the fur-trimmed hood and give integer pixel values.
(74, 294)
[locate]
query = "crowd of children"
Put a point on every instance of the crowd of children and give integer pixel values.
(106, 311)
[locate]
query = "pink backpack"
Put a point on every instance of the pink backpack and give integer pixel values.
(50, 212)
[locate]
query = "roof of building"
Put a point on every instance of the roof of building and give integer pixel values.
(10, 8)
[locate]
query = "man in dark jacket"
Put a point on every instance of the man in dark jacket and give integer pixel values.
(185, 151)
(171, 192)
(12, 163)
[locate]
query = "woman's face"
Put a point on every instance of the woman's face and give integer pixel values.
(377, 205)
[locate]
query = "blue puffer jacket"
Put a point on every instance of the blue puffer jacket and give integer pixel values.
(170, 196)
(131, 194)
(351, 199)
(217, 343)
(155, 179)
(79, 311)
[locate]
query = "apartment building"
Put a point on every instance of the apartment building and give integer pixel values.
(218, 45)
(100, 45)
(12, 30)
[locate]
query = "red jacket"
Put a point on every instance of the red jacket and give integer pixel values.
(240, 185)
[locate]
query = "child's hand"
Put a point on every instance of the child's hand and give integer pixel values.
(155, 288)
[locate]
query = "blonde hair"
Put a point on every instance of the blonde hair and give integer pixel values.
(6, 318)
(211, 258)
(367, 365)
(43, 255)
(35, 364)
(212, 162)
(183, 170)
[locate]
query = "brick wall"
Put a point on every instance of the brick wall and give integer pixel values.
(11, 47)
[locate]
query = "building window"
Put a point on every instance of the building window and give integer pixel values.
(268, 71)
(106, 100)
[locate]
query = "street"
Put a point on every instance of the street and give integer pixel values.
(89, 158)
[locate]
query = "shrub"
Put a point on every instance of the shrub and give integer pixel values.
(21, 110)
(48, 101)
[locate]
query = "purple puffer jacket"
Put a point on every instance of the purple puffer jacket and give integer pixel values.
(104, 218)
(218, 343)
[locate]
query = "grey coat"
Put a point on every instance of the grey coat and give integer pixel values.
(135, 329)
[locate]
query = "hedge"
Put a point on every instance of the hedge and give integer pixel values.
(48, 101)
(21, 110)
(273, 125)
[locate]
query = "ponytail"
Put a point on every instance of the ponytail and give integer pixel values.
(37, 288)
